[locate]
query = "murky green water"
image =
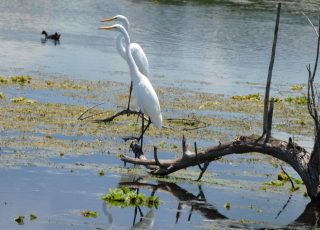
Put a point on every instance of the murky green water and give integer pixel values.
(214, 46)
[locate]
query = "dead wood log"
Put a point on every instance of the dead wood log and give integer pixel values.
(297, 157)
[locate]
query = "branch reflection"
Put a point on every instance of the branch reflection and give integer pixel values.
(198, 203)
(195, 202)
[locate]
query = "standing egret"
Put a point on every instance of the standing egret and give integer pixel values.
(147, 99)
(138, 54)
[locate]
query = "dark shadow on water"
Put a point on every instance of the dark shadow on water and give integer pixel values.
(55, 42)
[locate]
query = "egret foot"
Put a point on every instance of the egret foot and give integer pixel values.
(130, 139)
(136, 149)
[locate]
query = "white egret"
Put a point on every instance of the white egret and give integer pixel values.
(138, 54)
(147, 99)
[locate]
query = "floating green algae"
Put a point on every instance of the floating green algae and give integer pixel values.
(20, 220)
(89, 214)
(250, 97)
(125, 197)
(296, 87)
(300, 100)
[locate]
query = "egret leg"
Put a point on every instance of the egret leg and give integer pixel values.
(143, 130)
(130, 91)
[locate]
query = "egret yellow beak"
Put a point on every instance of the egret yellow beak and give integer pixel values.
(106, 27)
(107, 19)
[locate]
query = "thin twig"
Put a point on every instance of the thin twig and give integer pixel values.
(195, 128)
(197, 157)
(292, 184)
(313, 27)
(123, 112)
(179, 211)
(184, 146)
(190, 213)
(189, 122)
(205, 166)
(284, 207)
(155, 154)
(83, 118)
(317, 57)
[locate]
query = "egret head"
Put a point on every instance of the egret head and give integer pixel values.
(122, 19)
(116, 27)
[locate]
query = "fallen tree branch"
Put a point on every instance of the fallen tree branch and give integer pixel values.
(297, 157)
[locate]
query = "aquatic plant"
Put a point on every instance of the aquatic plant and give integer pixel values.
(20, 220)
(22, 79)
(89, 214)
(3, 80)
(296, 87)
(227, 205)
(33, 217)
(300, 100)
(23, 100)
(250, 97)
(124, 197)
(101, 173)
(274, 183)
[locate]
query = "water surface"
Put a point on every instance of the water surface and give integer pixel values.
(222, 46)
(214, 46)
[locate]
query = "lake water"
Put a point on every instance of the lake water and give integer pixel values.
(210, 46)
(221, 47)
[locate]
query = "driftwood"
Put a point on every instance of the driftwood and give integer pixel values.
(306, 164)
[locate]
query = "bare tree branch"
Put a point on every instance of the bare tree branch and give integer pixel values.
(81, 117)
(123, 112)
(273, 53)
(313, 27)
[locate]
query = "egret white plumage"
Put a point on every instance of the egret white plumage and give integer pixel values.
(147, 99)
(138, 54)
